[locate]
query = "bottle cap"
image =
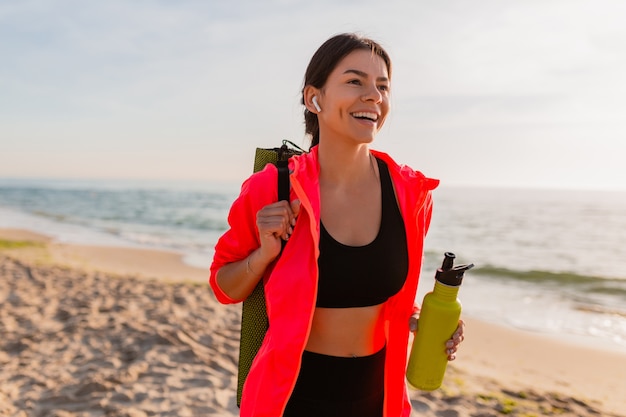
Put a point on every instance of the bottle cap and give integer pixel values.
(449, 274)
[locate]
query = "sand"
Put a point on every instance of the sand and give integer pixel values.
(95, 331)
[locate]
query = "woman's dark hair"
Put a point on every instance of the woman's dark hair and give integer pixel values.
(324, 62)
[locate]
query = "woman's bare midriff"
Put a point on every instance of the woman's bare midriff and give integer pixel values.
(347, 332)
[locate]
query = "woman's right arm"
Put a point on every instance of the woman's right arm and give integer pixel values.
(274, 223)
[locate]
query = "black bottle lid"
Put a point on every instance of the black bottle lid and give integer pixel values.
(449, 274)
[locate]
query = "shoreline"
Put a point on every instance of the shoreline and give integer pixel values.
(167, 265)
(495, 363)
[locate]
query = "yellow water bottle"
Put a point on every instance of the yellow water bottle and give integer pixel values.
(439, 318)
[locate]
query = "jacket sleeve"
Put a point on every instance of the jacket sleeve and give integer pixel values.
(242, 236)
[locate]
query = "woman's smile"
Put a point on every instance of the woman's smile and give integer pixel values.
(368, 118)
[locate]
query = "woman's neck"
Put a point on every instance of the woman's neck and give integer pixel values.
(345, 165)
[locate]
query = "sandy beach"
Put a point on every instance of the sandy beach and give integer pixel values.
(99, 331)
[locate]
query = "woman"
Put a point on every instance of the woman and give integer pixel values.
(341, 295)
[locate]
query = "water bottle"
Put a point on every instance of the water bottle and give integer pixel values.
(439, 318)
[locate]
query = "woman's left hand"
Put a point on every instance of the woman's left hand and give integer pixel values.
(453, 344)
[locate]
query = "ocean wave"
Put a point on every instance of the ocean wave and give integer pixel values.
(110, 209)
(545, 276)
(599, 309)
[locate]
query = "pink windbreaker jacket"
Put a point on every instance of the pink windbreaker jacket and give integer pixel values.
(291, 282)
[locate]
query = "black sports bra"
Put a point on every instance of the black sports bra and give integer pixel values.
(360, 276)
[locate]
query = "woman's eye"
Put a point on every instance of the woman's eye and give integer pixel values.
(383, 87)
(355, 82)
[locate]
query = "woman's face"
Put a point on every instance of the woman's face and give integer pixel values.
(355, 98)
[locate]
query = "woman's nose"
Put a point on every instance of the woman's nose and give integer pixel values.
(373, 94)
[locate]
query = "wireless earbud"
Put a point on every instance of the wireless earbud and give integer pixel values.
(317, 106)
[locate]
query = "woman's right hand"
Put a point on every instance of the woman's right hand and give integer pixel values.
(275, 222)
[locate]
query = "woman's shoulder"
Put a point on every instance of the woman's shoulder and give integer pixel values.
(261, 185)
(305, 161)
(405, 173)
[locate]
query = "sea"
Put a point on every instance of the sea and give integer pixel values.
(551, 262)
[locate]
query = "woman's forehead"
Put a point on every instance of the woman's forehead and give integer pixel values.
(365, 62)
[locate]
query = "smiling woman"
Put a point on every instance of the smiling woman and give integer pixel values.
(340, 297)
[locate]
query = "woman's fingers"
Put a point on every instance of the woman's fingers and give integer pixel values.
(278, 219)
(453, 344)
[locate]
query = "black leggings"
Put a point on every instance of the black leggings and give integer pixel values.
(332, 386)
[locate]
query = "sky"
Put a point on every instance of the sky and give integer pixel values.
(484, 93)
